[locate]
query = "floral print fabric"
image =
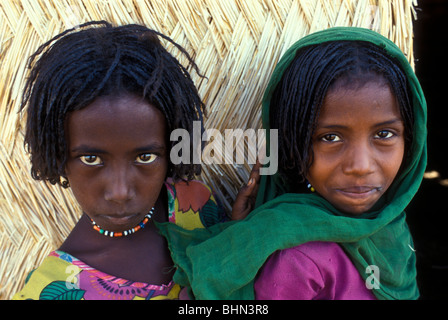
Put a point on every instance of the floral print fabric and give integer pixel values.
(63, 277)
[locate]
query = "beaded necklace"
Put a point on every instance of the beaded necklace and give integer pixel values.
(126, 232)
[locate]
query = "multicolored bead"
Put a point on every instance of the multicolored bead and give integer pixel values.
(126, 232)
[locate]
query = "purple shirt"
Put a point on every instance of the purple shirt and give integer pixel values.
(311, 271)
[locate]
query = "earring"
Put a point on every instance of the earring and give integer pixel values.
(65, 183)
(309, 186)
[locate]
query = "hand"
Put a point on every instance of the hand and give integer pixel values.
(245, 199)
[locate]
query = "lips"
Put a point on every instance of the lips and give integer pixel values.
(120, 219)
(359, 192)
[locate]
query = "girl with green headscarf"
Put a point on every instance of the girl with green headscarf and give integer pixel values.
(351, 117)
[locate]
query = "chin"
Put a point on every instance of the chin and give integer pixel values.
(355, 210)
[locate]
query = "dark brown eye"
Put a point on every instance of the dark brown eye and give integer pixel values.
(384, 134)
(91, 160)
(331, 137)
(146, 158)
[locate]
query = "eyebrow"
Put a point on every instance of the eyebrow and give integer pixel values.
(380, 124)
(392, 121)
(87, 149)
(92, 150)
(155, 147)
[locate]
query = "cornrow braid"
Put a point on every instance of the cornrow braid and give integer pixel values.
(298, 97)
(97, 59)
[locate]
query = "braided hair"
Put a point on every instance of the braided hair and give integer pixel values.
(97, 59)
(316, 69)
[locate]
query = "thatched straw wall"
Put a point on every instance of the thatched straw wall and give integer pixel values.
(236, 43)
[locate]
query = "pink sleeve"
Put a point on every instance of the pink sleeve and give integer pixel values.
(314, 270)
(288, 275)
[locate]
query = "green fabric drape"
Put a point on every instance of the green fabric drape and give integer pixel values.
(222, 262)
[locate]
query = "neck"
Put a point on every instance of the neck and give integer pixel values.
(84, 238)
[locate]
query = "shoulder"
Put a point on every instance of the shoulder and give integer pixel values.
(321, 257)
(316, 254)
(289, 274)
(314, 270)
(49, 279)
(194, 204)
(319, 251)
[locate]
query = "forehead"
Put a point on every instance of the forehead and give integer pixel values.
(116, 120)
(373, 102)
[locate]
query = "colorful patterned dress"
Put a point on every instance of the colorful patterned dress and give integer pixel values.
(63, 277)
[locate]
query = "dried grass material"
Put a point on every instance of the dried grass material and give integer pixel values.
(236, 44)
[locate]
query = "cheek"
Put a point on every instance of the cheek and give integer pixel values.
(161, 170)
(391, 159)
(152, 179)
(392, 163)
(83, 185)
(321, 170)
(149, 180)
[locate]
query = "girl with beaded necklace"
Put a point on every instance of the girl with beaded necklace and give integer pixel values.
(101, 103)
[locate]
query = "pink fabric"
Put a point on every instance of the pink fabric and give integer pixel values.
(311, 271)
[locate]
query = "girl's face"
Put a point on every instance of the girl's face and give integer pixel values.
(117, 159)
(358, 146)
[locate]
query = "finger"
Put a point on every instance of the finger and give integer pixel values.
(247, 194)
(246, 189)
(255, 172)
(262, 152)
(244, 200)
(251, 188)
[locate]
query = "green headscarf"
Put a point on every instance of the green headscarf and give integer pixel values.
(222, 262)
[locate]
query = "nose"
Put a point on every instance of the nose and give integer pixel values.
(119, 186)
(359, 160)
